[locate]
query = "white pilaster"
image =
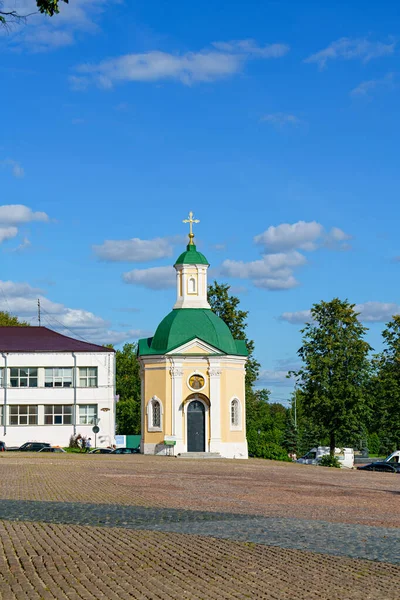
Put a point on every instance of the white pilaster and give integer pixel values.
(214, 373)
(176, 394)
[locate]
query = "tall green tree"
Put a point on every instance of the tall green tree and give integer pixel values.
(385, 388)
(227, 308)
(47, 7)
(8, 320)
(335, 369)
(128, 388)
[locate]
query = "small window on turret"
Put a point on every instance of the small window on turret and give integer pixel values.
(192, 285)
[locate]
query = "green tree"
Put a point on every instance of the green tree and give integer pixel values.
(128, 388)
(385, 388)
(47, 7)
(290, 438)
(227, 308)
(7, 320)
(335, 369)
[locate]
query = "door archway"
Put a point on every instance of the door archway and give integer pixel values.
(196, 426)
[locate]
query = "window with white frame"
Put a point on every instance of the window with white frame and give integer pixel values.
(87, 376)
(88, 414)
(23, 414)
(23, 377)
(192, 285)
(60, 414)
(235, 414)
(58, 377)
(154, 414)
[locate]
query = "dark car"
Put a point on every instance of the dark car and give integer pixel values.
(126, 451)
(2, 446)
(383, 467)
(101, 451)
(33, 446)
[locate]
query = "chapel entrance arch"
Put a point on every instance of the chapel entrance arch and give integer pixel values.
(196, 424)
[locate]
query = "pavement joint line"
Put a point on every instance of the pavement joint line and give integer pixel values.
(380, 544)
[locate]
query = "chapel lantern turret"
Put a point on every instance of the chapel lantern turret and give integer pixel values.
(191, 274)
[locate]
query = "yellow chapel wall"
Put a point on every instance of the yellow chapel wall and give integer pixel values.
(157, 382)
(232, 385)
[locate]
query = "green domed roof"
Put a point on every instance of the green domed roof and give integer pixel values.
(184, 324)
(191, 257)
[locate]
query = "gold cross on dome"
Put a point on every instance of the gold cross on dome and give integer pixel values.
(190, 220)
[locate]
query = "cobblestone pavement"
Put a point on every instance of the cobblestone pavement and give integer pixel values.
(83, 527)
(39, 561)
(356, 541)
(266, 488)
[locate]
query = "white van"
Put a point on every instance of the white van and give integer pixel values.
(394, 457)
(313, 457)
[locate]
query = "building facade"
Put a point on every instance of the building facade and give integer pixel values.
(53, 386)
(193, 373)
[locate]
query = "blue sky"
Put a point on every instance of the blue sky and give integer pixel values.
(276, 122)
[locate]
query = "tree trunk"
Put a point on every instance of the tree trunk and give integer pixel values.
(332, 444)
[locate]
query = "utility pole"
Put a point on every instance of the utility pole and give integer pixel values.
(39, 315)
(295, 405)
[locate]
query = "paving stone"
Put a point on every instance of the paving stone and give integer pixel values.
(116, 528)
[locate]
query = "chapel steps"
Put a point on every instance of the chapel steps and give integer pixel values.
(199, 455)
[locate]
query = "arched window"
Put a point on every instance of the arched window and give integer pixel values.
(235, 414)
(192, 285)
(154, 414)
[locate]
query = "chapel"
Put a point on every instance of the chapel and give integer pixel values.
(193, 373)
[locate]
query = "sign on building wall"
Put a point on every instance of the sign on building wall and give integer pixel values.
(120, 441)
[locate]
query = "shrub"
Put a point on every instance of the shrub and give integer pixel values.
(329, 461)
(374, 443)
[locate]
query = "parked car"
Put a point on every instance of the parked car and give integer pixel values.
(31, 447)
(313, 457)
(2, 446)
(52, 449)
(126, 451)
(101, 451)
(382, 466)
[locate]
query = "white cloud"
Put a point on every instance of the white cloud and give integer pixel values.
(22, 246)
(350, 49)
(273, 271)
(21, 299)
(377, 312)
(336, 239)
(280, 119)
(134, 250)
(7, 233)
(295, 318)
(222, 60)
(14, 166)
(40, 33)
(274, 377)
(370, 312)
(301, 235)
(155, 278)
(16, 214)
(365, 88)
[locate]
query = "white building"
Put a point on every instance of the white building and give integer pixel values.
(53, 386)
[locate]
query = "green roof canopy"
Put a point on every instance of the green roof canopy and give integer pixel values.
(185, 324)
(191, 257)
